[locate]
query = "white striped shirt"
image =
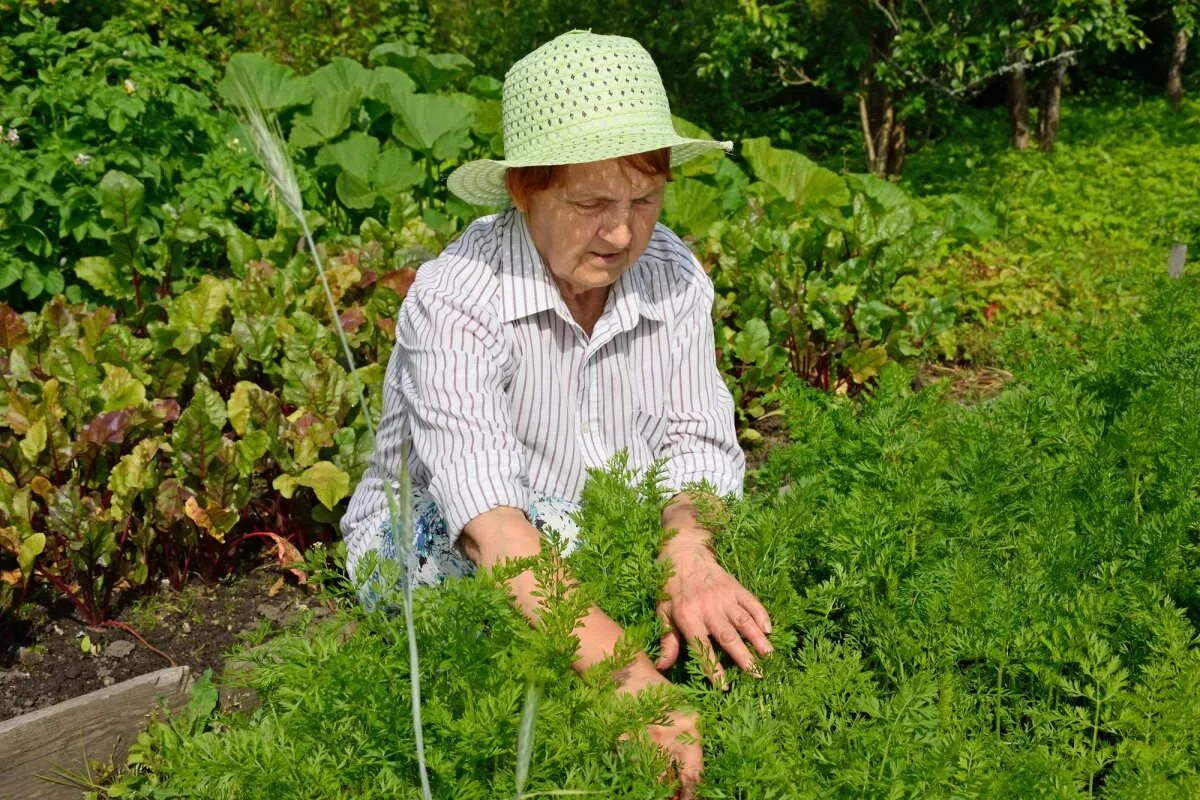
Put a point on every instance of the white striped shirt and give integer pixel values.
(506, 399)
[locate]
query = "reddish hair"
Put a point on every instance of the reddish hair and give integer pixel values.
(523, 182)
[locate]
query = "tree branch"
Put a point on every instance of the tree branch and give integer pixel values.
(978, 84)
(801, 78)
(892, 19)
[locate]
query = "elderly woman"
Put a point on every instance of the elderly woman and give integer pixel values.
(551, 336)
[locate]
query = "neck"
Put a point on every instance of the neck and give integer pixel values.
(585, 306)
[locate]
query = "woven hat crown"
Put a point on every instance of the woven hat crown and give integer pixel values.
(578, 89)
(580, 97)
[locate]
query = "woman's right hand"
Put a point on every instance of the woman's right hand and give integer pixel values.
(679, 737)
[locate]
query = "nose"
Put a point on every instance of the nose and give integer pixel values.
(616, 231)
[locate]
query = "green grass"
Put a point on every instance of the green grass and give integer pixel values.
(1083, 230)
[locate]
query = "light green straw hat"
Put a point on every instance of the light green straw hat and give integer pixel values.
(580, 97)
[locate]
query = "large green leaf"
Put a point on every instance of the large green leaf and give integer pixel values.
(870, 316)
(103, 276)
(796, 178)
(328, 118)
(253, 408)
(338, 89)
(122, 197)
(751, 343)
(250, 451)
(254, 78)
(341, 76)
(195, 312)
(967, 219)
(120, 389)
(366, 172)
(704, 164)
(317, 383)
(865, 364)
(691, 206)
(328, 483)
(34, 441)
(31, 548)
(386, 83)
(884, 195)
(354, 155)
(395, 171)
(424, 119)
(197, 434)
(431, 71)
(135, 472)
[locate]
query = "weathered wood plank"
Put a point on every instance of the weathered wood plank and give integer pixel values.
(99, 725)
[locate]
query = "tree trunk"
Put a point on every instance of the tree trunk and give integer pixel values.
(1050, 108)
(1018, 108)
(884, 135)
(883, 131)
(898, 149)
(1175, 74)
(884, 117)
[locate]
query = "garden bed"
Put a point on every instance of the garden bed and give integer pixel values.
(195, 628)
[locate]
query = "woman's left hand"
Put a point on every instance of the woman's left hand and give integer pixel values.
(706, 604)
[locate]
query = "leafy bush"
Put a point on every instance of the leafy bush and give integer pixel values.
(308, 34)
(115, 168)
(996, 601)
(807, 264)
(122, 180)
(381, 140)
(130, 452)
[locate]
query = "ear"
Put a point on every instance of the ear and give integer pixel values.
(519, 200)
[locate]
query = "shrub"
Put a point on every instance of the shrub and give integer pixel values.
(130, 452)
(113, 152)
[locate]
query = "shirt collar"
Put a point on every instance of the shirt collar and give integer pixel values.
(528, 289)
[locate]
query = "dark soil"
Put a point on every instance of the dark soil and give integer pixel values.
(773, 430)
(196, 627)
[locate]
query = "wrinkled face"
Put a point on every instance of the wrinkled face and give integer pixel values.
(594, 222)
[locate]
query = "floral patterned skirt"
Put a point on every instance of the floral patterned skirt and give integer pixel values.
(433, 556)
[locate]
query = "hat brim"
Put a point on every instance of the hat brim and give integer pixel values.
(482, 182)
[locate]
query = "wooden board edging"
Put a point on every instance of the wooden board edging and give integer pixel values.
(99, 725)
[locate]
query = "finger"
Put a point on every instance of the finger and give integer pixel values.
(751, 603)
(669, 644)
(669, 651)
(690, 766)
(731, 642)
(751, 631)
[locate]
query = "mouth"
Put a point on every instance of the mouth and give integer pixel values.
(608, 259)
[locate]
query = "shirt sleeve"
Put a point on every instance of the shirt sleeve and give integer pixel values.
(456, 360)
(700, 443)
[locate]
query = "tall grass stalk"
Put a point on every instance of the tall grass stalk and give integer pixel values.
(533, 696)
(268, 146)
